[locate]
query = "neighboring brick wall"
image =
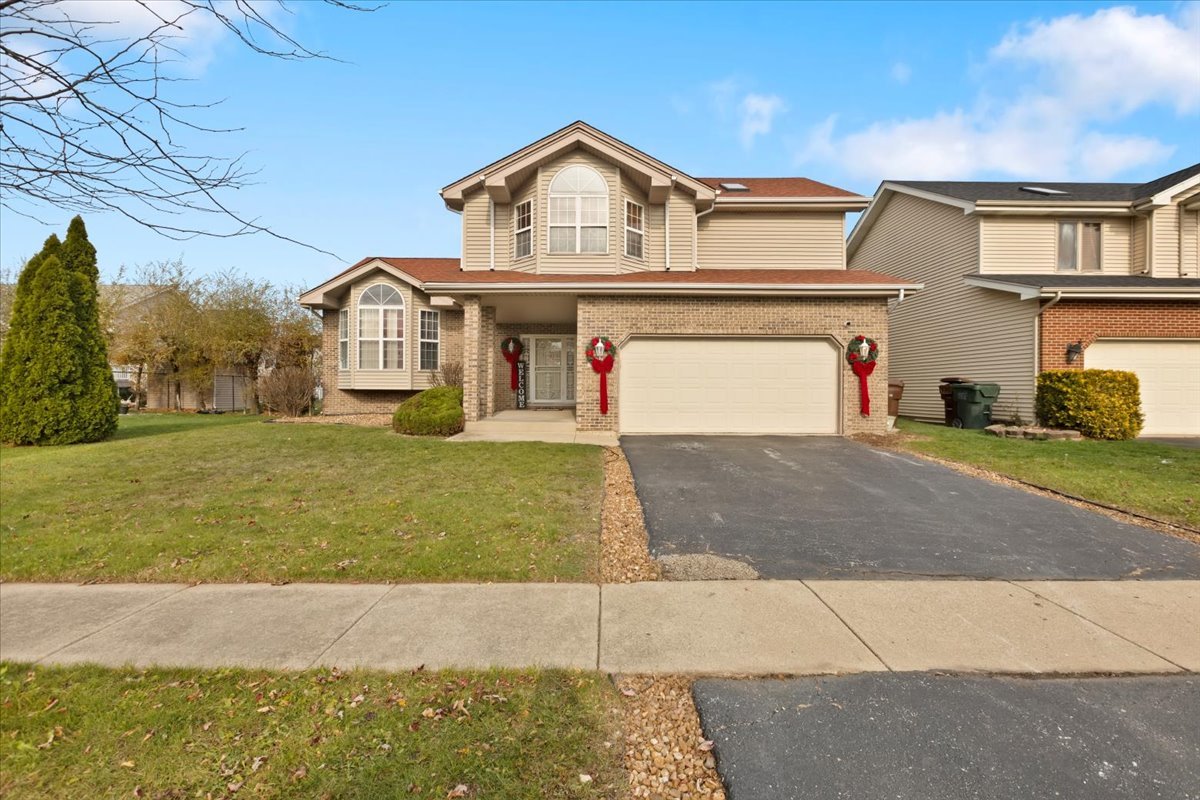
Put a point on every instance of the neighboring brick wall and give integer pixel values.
(620, 317)
(1088, 320)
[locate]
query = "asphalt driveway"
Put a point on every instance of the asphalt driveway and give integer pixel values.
(950, 738)
(817, 507)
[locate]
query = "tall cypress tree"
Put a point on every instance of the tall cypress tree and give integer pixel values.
(55, 383)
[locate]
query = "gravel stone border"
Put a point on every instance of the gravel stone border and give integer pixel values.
(666, 754)
(624, 543)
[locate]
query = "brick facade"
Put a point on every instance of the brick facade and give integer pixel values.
(1085, 321)
(622, 317)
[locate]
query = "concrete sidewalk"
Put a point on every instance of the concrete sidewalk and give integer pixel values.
(702, 628)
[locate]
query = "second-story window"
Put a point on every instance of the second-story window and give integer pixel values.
(578, 211)
(524, 238)
(635, 229)
(381, 328)
(1078, 246)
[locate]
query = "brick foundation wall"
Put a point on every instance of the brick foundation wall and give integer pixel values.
(620, 317)
(1086, 321)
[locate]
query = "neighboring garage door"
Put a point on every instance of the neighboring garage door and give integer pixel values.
(1169, 374)
(716, 385)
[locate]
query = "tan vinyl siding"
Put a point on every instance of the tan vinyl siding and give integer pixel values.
(577, 262)
(1017, 245)
(1137, 244)
(948, 328)
(1029, 245)
(1164, 252)
(475, 231)
(1189, 244)
(683, 230)
(772, 240)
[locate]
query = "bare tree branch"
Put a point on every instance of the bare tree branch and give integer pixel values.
(87, 123)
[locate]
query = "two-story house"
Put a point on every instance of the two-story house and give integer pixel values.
(1029, 276)
(728, 299)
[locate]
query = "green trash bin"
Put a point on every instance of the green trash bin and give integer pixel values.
(973, 404)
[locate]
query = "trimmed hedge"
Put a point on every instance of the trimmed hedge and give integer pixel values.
(1099, 403)
(433, 412)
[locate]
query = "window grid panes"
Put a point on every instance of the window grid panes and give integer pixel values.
(344, 339)
(578, 211)
(524, 237)
(430, 339)
(381, 328)
(634, 230)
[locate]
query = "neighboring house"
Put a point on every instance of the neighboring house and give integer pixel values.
(1029, 276)
(159, 389)
(728, 298)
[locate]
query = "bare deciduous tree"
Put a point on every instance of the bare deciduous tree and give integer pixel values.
(87, 119)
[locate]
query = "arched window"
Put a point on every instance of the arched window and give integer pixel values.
(578, 211)
(381, 328)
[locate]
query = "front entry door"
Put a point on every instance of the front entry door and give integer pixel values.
(552, 365)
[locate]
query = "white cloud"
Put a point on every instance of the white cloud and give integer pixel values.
(901, 72)
(1085, 71)
(757, 114)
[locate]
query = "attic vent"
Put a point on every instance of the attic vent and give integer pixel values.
(735, 187)
(1042, 190)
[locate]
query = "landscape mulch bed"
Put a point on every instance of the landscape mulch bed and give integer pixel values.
(624, 549)
(666, 754)
(368, 420)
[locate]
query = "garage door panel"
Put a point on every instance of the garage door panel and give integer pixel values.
(722, 385)
(1169, 375)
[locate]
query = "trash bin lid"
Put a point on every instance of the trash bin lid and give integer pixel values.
(955, 380)
(988, 389)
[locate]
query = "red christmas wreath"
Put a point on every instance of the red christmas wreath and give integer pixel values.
(861, 354)
(600, 354)
(511, 348)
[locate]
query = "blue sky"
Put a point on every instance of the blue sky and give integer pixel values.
(351, 155)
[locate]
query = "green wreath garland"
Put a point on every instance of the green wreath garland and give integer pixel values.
(853, 354)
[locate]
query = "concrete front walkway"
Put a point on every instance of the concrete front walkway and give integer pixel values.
(703, 628)
(554, 425)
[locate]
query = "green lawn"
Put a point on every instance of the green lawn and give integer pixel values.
(195, 498)
(1154, 479)
(97, 733)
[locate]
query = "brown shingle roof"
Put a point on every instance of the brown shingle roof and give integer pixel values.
(778, 187)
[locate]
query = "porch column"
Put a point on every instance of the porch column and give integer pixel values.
(488, 354)
(471, 342)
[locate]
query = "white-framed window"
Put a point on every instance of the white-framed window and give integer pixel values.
(1079, 246)
(344, 339)
(381, 328)
(578, 211)
(635, 229)
(430, 339)
(523, 240)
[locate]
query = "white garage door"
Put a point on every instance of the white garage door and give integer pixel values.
(712, 385)
(1169, 374)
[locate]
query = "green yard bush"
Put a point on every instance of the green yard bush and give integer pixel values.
(434, 412)
(1099, 403)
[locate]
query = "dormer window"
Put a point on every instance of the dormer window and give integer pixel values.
(381, 328)
(1078, 246)
(578, 211)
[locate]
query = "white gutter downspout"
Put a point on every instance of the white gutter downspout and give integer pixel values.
(1055, 299)
(491, 228)
(1037, 334)
(667, 225)
(696, 232)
